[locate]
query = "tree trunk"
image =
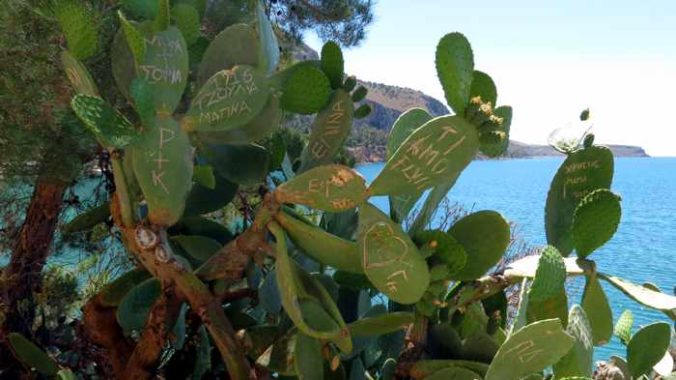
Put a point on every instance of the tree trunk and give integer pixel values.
(22, 277)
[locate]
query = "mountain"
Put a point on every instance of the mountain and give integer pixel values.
(369, 135)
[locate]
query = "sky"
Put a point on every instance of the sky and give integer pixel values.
(550, 59)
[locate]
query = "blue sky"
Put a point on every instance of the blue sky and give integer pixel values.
(549, 59)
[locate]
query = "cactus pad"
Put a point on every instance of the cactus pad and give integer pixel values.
(595, 221)
(439, 149)
(32, 355)
(235, 45)
(485, 236)
(123, 63)
(79, 27)
(647, 347)
(483, 86)
(455, 69)
(78, 75)
(136, 304)
(229, 99)
(599, 313)
(391, 260)
(446, 250)
(322, 246)
(648, 297)
(163, 164)
(382, 324)
(187, 20)
(268, 55)
(329, 130)
(623, 326)
(199, 248)
(242, 164)
(164, 66)
(332, 188)
(88, 219)
(529, 350)
(111, 128)
(581, 173)
(308, 360)
(332, 63)
(115, 291)
(550, 276)
(495, 143)
(423, 368)
(362, 111)
(145, 9)
(306, 90)
(578, 361)
(453, 373)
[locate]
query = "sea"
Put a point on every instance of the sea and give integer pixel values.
(642, 250)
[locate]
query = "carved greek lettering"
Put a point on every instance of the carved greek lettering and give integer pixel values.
(525, 351)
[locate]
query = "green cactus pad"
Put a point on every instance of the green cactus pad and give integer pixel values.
(164, 66)
(479, 346)
(445, 250)
(331, 188)
(578, 361)
(553, 307)
(359, 94)
(382, 324)
(32, 355)
(161, 22)
(202, 200)
(550, 276)
(329, 130)
(145, 9)
(78, 24)
(332, 63)
(111, 128)
(322, 246)
(600, 315)
(236, 45)
(133, 37)
(268, 54)
(88, 219)
(623, 326)
(123, 63)
(529, 350)
(498, 146)
(439, 149)
(242, 164)
(453, 373)
(350, 83)
(581, 173)
(647, 347)
(203, 175)
(424, 368)
(362, 111)
(78, 75)
(229, 99)
(306, 90)
(483, 86)
(391, 260)
(443, 342)
(595, 221)
(136, 304)
(455, 69)
(388, 369)
(113, 293)
(308, 360)
(406, 123)
(267, 121)
(641, 294)
(298, 299)
(485, 236)
(187, 20)
(199, 248)
(163, 163)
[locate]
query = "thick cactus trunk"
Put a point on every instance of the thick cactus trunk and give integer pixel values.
(22, 277)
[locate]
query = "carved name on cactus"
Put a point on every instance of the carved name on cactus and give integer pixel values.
(439, 149)
(320, 147)
(169, 49)
(230, 98)
(573, 177)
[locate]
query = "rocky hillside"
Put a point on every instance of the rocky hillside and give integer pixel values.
(369, 136)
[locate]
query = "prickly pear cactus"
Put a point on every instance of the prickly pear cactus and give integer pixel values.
(455, 68)
(647, 347)
(235, 45)
(534, 347)
(547, 295)
(390, 259)
(595, 221)
(582, 172)
(578, 361)
(111, 128)
(439, 149)
(598, 311)
(77, 74)
(32, 355)
(163, 164)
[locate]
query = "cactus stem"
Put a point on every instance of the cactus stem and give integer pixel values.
(122, 191)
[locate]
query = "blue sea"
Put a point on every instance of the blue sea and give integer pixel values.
(642, 250)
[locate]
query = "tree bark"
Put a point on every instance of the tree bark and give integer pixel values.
(22, 276)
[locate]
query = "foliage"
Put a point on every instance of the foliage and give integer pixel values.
(286, 269)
